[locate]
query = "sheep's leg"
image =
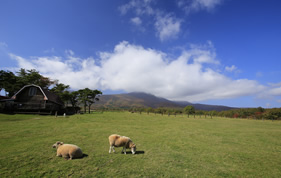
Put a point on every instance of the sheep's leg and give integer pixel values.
(67, 156)
(111, 148)
(124, 149)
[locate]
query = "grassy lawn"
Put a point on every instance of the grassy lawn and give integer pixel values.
(166, 146)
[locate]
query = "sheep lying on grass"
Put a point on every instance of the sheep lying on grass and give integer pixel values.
(121, 141)
(68, 150)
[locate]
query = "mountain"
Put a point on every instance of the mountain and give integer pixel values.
(205, 107)
(131, 100)
(143, 100)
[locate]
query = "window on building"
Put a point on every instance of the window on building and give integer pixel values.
(32, 91)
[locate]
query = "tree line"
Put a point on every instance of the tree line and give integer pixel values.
(243, 113)
(12, 82)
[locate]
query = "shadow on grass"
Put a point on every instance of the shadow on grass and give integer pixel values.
(84, 156)
(140, 152)
(137, 152)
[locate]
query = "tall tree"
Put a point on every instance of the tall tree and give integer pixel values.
(73, 98)
(61, 90)
(12, 83)
(7, 82)
(26, 77)
(88, 97)
(93, 97)
(189, 110)
(83, 97)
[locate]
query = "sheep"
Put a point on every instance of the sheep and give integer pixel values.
(68, 150)
(121, 141)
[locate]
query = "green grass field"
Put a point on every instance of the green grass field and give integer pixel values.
(166, 146)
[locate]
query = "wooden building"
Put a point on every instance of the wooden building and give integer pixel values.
(3, 103)
(34, 99)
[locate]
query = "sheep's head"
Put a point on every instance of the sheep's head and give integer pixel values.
(133, 148)
(57, 144)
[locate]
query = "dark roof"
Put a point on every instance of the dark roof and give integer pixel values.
(47, 94)
(52, 96)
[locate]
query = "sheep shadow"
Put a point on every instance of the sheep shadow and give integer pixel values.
(137, 152)
(84, 156)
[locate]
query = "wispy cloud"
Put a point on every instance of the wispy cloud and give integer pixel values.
(22, 62)
(3, 44)
(231, 68)
(275, 91)
(69, 52)
(50, 51)
(135, 68)
(3, 47)
(259, 74)
(167, 27)
(140, 7)
(136, 20)
(197, 5)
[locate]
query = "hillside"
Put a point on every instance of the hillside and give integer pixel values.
(144, 100)
(131, 100)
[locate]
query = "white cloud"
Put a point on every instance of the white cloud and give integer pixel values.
(54, 64)
(271, 92)
(22, 63)
(136, 20)
(167, 27)
(80, 73)
(69, 52)
(135, 68)
(140, 7)
(52, 50)
(276, 91)
(275, 84)
(231, 68)
(3, 48)
(196, 5)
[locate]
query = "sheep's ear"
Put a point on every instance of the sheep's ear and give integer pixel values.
(61, 143)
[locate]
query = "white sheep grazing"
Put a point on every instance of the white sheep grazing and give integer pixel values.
(121, 141)
(68, 150)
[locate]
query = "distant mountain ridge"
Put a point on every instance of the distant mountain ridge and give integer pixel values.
(205, 107)
(144, 100)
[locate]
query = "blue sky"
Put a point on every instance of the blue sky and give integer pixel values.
(225, 52)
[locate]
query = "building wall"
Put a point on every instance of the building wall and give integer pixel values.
(30, 98)
(27, 95)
